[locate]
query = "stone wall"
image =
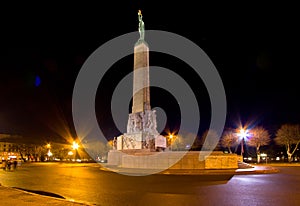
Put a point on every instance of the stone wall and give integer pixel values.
(221, 161)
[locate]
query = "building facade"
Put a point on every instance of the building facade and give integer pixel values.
(9, 150)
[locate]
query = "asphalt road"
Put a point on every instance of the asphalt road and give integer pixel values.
(87, 183)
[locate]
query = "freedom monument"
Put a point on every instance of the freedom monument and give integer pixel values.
(142, 146)
(142, 126)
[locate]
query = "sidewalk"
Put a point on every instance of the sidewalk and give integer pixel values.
(12, 196)
(257, 169)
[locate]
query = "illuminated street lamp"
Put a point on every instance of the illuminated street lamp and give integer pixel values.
(243, 133)
(49, 153)
(75, 147)
(171, 138)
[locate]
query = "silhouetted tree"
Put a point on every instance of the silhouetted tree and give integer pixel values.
(258, 137)
(229, 139)
(289, 136)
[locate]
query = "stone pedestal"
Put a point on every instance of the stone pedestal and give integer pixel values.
(139, 140)
(145, 159)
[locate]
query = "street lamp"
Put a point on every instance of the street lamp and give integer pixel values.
(242, 134)
(49, 153)
(75, 147)
(171, 138)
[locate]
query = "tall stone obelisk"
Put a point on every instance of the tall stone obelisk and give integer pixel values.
(141, 127)
(141, 90)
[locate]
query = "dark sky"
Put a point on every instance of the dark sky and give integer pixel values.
(254, 47)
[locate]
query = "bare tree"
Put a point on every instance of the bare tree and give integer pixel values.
(38, 152)
(289, 136)
(229, 139)
(258, 137)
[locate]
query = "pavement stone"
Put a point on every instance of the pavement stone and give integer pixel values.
(12, 196)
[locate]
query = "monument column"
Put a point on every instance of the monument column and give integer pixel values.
(141, 90)
(142, 126)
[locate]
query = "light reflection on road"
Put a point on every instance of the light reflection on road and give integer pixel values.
(87, 183)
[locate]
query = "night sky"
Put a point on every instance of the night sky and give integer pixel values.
(254, 47)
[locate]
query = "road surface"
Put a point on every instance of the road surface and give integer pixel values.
(87, 183)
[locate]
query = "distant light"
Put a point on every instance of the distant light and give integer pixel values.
(75, 145)
(12, 156)
(37, 81)
(49, 153)
(70, 153)
(243, 133)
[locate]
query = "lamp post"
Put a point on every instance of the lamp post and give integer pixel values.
(49, 153)
(243, 133)
(75, 147)
(171, 138)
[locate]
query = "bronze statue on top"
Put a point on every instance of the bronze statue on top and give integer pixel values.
(141, 25)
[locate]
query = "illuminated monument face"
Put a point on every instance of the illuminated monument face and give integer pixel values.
(141, 127)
